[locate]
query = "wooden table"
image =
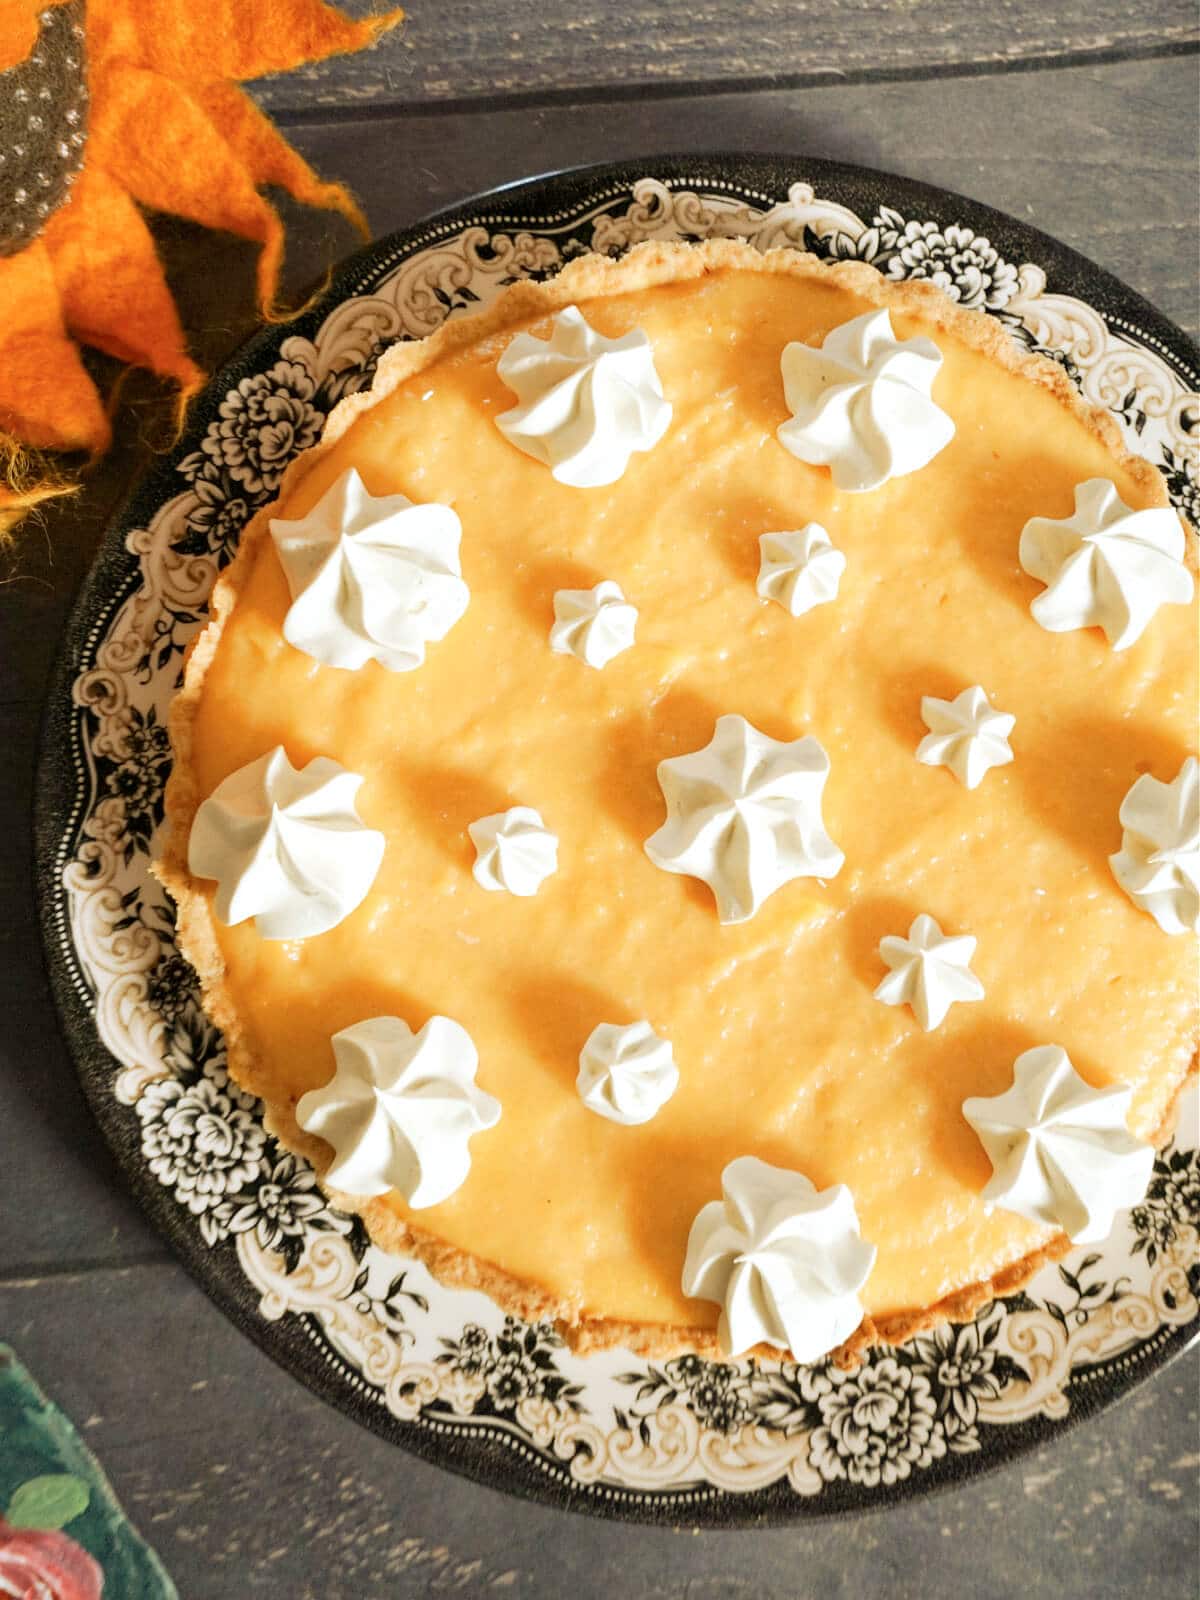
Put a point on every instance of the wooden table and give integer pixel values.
(1080, 118)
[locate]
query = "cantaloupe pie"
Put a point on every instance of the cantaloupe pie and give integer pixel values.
(853, 552)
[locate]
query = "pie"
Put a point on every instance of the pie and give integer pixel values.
(828, 1019)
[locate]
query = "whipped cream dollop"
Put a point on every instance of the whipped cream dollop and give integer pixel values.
(929, 971)
(744, 816)
(286, 846)
(1061, 1151)
(400, 1109)
(586, 403)
(514, 850)
(966, 734)
(783, 1260)
(1158, 864)
(626, 1074)
(593, 624)
(799, 570)
(372, 578)
(1107, 566)
(862, 404)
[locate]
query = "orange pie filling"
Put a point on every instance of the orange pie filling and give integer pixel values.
(782, 1050)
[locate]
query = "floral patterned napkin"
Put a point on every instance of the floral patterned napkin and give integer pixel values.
(62, 1534)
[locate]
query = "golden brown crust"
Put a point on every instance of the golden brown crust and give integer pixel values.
(588, 278)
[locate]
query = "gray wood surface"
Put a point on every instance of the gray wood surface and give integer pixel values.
(455, 52)
(248, 1485)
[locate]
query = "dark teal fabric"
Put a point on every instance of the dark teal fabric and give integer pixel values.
(53, 1491)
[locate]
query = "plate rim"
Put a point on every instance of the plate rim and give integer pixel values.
(484, 1457)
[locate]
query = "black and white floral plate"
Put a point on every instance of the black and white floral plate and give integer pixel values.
(444, 1372)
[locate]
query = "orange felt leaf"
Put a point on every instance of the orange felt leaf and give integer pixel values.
(229, 38)
(47, 399)
(169, 130)
(110, 281)
(19, 29)
(153, 138)
(267, 155)
(25, 482)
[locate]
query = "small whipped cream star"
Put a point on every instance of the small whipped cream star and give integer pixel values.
(514, 851)
(929, 972)
(595, 625)
(626, 1073)
(967, 734)
(799, 570)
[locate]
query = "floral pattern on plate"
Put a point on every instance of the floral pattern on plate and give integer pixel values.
(442, 1370)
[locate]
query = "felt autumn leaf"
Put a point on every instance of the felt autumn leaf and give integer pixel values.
(108, 107)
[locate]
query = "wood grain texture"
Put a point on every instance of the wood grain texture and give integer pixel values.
(248, 1486)
(457, 52)
(1103, 158)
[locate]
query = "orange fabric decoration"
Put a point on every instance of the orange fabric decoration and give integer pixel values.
(19, 28)
(168, 130)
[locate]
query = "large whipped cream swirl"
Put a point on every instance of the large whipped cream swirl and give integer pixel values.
(593, 624)
(784, 1261)
(1158, 864)
(1061, 1151)
(744, 816)
(1107, 566)
(626, 1074)
(929, 971)
(862, 404)
(286, 847)
(400, 1109)
(966, 734)
(371, 578)
(586, 402)
(514, 851)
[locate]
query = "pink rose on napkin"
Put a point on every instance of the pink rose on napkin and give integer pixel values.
(40, 1565)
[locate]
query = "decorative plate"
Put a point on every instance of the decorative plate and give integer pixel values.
(444, 1372)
